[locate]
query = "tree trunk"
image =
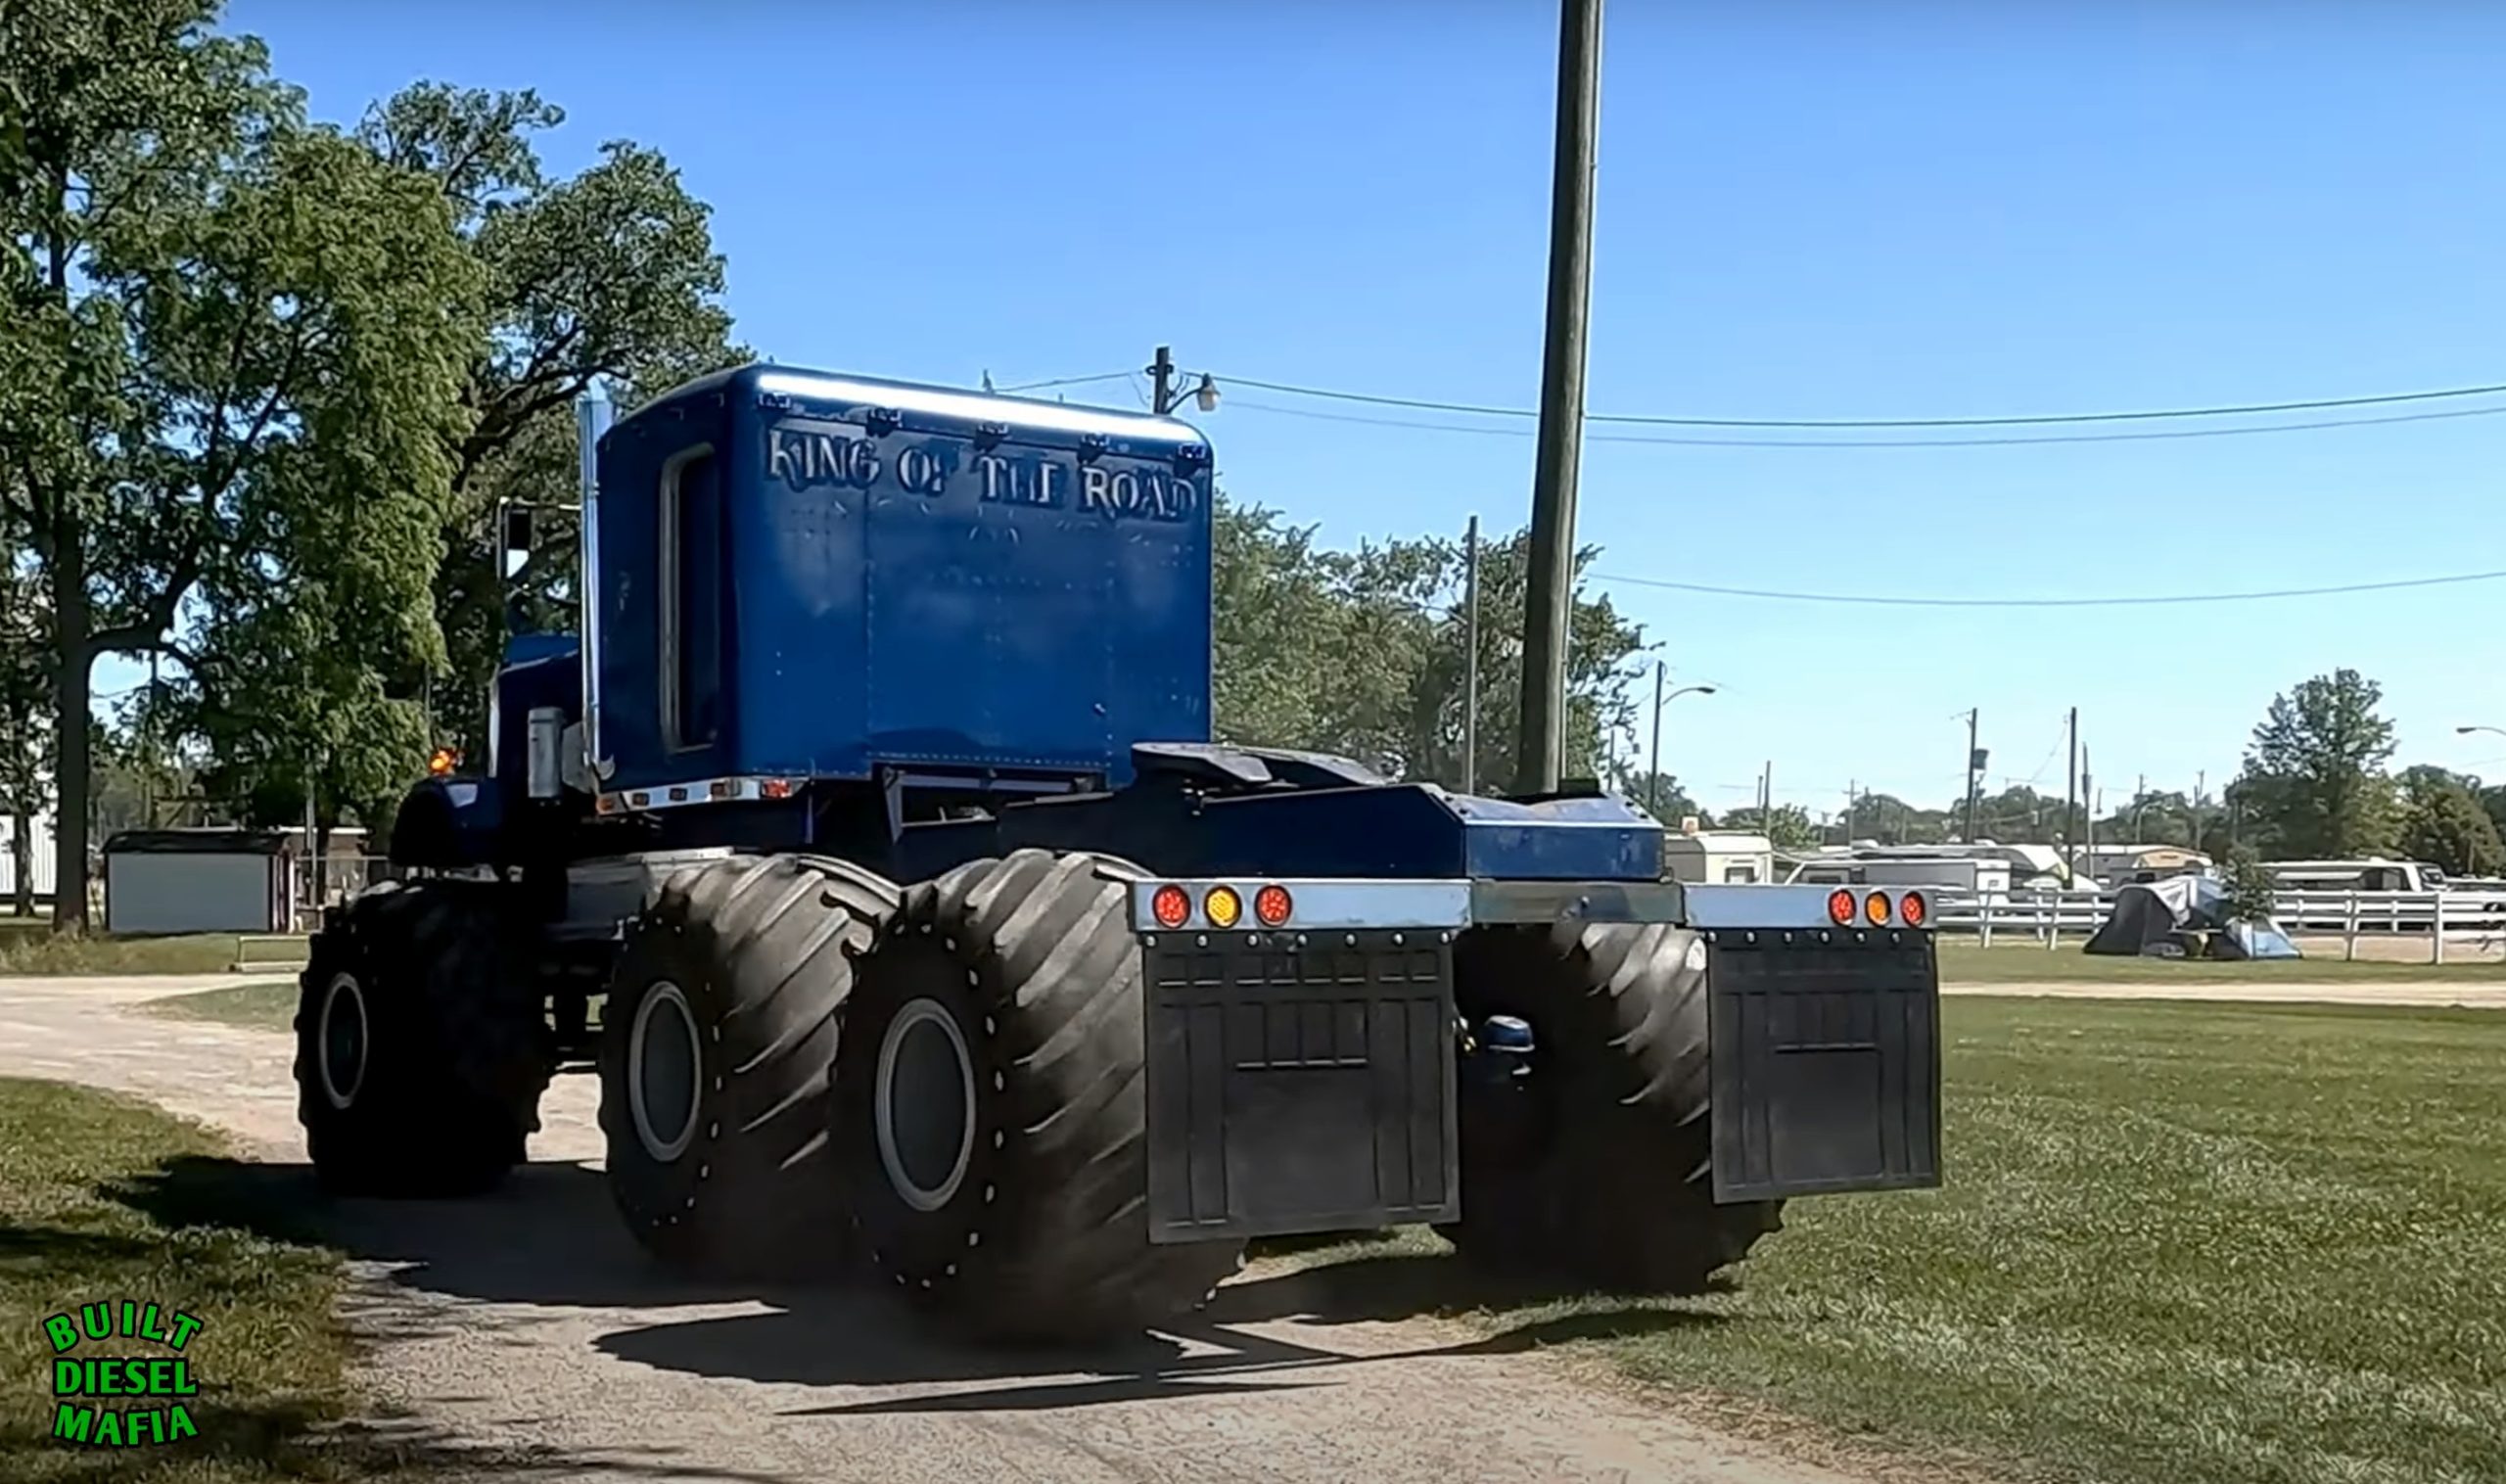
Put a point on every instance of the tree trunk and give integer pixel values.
(72, 680)
(21, 855)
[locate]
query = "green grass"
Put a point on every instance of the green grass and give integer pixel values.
(2177, 1241)
(79, 1170)
(267, 1006)
(1963, 961)
(44, 955)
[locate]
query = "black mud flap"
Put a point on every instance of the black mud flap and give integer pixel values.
(1825, 1063)
(1298, 1090)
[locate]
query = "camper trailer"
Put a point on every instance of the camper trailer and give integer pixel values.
(2111, 867)
(1956, 868)
(1718, 856)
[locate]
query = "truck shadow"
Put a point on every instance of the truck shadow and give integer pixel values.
(552, 1240)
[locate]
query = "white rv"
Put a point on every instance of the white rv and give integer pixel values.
(1718, 858)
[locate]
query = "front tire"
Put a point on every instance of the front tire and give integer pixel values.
(1617, 1192)
(422, 1048)
(994, 1110)
(716, 1045)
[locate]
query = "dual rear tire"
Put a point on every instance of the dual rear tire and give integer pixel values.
(1613, 1188)
(421, 1047)
(800, 1059)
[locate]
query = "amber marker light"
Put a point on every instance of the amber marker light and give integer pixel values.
(1874, 908)
(1223, 907)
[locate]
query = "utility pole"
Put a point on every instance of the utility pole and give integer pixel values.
(2071, 788)
(1161, 381)
(1765, 798)
(1470, 660)
(2088, 804)
(1653, 770)
(1974, 772)
(1548, 597)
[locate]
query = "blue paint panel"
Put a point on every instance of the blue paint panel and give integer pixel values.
(633, 458)
(555, 679)
(918, 576)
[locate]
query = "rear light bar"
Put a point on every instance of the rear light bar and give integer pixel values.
(1321, 904)
(1847, 908)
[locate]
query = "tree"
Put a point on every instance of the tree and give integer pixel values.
(1364, 651)
(1787, 826)
(609, 276)
(25, 726)
(2442, 822)
(2313, 784)
(2249, 888)
(1662, 796)
(222, 321)
(2154, 816)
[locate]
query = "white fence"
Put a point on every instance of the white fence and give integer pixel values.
(2477, 918)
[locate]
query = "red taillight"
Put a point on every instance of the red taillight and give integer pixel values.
(1911, 909)
(1841, 906)
(1875, 908)
(1272, 906)
(1171, 905)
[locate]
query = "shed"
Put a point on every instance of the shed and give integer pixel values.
(164, 882)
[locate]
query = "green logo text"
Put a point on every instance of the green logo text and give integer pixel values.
(122, 1400)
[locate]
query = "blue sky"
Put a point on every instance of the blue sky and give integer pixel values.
(1805, 210)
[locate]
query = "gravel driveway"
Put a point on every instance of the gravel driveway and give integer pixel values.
(523, 1336)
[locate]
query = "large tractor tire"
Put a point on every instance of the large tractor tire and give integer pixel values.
(421, 1045)
(1613, 1188)
(718, 1041)
(994, 1110)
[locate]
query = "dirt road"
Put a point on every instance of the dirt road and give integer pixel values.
(523, 1336)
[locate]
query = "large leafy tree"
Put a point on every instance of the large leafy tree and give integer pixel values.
(2442, 822)
(1364, 651)
(2314, 784)
(231, 366)
(1786, 827)
(608, 276)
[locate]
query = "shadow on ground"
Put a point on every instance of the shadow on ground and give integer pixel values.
(284, 1439)
(550, 1241)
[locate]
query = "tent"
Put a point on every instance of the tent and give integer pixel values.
(2185, 917)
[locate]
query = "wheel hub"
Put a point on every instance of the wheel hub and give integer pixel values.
(340, 1041)
(665, 1071)
(924, 1106)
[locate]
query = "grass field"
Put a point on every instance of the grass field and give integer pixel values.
(270, 1005)
(2177, 1242)
(36, 951)
(268, 1359)
(1963, 961)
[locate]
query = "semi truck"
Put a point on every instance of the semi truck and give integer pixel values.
(874, 843)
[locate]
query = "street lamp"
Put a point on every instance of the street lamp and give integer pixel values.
(1653, 777)
(2465, 732)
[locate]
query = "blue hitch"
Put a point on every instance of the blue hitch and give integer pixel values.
(1500, 1054)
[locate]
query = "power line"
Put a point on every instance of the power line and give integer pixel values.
(1892, 442)
(1065, 381)
(2316, 404)
(1874, 600)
